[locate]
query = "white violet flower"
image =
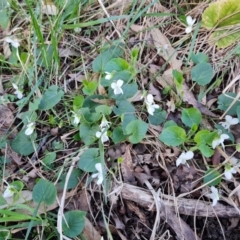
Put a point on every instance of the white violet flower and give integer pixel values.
(30, 128)
(98, 175)
(116, 86)
(10, 190)
(12, 41)
(229, 171)
(104, 123)
(214, 195)
(190, 23)
(182, 159)
(103, 135)
(229, 122)
(151, 106)
(219, 140)
(109, 75)
(76, 118)
(18, 92)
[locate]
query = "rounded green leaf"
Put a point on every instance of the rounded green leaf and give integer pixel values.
(88, 133)
(202, 73)
(158, 117)
(205, 137)
(225, 100)
(205, 150)
(116, 64)
(199, 58)
(137, 130)
(73, 223)
(118, 135)
(211, 174)
(22, 143)
(88, 160)
(173, 136)
(50, 98)
(129, 90)
(44, 191)
(191, 116)
(73, 180)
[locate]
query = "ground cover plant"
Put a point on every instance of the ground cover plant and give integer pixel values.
(119, 119)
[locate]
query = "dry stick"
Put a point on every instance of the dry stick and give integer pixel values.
(167, 213)
(185, 206)
(62, 203)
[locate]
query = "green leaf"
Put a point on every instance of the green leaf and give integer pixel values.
(18, 185)
(73, 223)
(225, 100)
(202, 73)
(103, 109)
(191, 116)
(44, 191)
(116, 64)
(169, 124)
(129, 90)
(73, 180)
(78, 102)
(134, 55)
(89, 87)
(211, 174)
(91, 101)
(88, 133)
(22, 143)
(101, 60)
(50, 98)
(173, 136)
(90, 117)
(205, 137)
(118, 135)
(2, 201)
(49, 159)
(4, 18)
(199, 58)
(158, 117)
(137, 129)
(126, 119)
(88, 160)
(123, 106)
(205, 150)
(178, 79)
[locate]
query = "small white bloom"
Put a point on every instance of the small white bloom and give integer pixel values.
(229, 170)
(116, 86)
(18, 92)
(98, 175)
(151, 106)
(229, 122)
(182, 159)
(109, 75)
(104, 123)
(76, 118)
(30, 128)
(219, 140)
(190, 23)
(10, 190)
(214, 195)
(103, 135)
(13, 42)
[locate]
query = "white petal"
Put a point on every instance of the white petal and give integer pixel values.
(234, 121)
(119, 83)
(190, 21)
(104, 138)
(8, 193)
(228, 174)
(150, 98)
(189, 155)
(188, 29)
(95, 175)
(98, 134)
(19, 94)
(214, 190)
(224, 136)
(100, 180)
(29, 131)
(228, 118)
(214, 203)
(113, 85)
(234, 160)
(8, 40)
(215, 143)
(98, 167)
(155, 106)
(150, 109)
(15, 86)
(180, 161)
(118, 90)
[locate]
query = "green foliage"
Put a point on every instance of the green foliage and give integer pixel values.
(44, 191)
(89, 87)
(116, 64)
(202, 73)
(102, 59)
(178, 79)
(199, 58)
(225, 100)
(137, 130)
(49, 159)
(103, 109)
(22, 143)
(222, 14)
(73, 223)
(118, 135)
(158, 117)
(50, 98)
(88, 160)
(173, 136)
(191, 116)
(211, 174)
(73, 180)
(88, 133)
(78, 102)
(90, 117)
